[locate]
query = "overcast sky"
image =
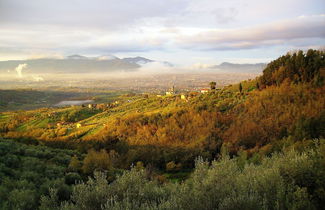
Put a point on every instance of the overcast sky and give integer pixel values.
(183, 32)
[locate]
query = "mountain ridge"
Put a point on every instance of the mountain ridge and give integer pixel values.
(79, 64)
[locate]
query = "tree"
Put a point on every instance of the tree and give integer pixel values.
(170, 166)
(213, 85)
(75, 164)
(257, 85)
(22, 199)
(96, 161)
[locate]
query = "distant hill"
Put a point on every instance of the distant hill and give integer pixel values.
(138, 60)
(142, 61)
(77, 64)
(240, 68)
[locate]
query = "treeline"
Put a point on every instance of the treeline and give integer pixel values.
(297, 67)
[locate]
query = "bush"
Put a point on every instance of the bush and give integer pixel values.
(72, 178)
(284, 181)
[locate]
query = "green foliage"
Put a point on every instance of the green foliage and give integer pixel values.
(24, 99)
(72, 178)
(213, 85)
(296, 67)
(75, 164)
(27, 172)
(284, 181)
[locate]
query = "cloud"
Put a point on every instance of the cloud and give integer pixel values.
(226, 15)
(110, 14)
(37, 78)
(276, 33)
(19, 69)
(45, 28)
(54, 40)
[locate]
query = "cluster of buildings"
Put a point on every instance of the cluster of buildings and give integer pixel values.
(101, 106)
(172, 92)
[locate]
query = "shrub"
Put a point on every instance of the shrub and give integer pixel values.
(284, 181)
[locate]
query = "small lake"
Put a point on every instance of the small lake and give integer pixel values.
(76, 102)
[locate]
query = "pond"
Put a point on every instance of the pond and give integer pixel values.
(74, 102)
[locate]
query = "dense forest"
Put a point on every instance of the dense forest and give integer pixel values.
(257, 139)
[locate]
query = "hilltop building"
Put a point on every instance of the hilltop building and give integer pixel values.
(205, 90)
(92, 106)
(171, 91)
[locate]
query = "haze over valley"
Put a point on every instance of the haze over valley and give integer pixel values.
(162, 105)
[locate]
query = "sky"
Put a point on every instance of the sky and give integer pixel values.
(183, 32)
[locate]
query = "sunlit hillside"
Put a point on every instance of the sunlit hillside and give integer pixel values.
(162, 105)
(267, 126)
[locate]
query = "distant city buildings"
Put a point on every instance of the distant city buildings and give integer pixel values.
(205, 90)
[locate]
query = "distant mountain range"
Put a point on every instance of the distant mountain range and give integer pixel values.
(78, 64)
(240, 68)
(104, 64)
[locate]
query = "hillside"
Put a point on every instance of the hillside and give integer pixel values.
(250, 122)
(148, 119)
(265, 114)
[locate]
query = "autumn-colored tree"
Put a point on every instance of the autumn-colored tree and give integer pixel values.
(75, 164)
(96, 161)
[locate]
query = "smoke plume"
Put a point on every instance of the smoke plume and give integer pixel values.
(20, 68)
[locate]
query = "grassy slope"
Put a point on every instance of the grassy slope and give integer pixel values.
(127, 106)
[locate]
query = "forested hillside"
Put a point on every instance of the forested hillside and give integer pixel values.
(280, 111)
(298, 67)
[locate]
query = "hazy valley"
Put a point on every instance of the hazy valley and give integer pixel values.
(162, 105)
(151, 130)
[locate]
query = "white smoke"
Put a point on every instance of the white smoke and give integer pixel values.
(20, 68)
(37, 78)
